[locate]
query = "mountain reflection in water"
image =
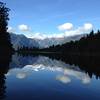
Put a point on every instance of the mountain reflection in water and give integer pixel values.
(28, 77)
(24, 66)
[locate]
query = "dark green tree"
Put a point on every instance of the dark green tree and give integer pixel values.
(5, 43)
(91, 33)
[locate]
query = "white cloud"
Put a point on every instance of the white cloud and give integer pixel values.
(23, 27)
(44, 36)
(59, 35)
(86, 28)
(37, 35)
(10, 29)
(65, 26)
(67, 30)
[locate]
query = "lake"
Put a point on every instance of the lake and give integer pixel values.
(39, 77)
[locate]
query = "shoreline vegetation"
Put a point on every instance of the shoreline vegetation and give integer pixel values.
(58, 53)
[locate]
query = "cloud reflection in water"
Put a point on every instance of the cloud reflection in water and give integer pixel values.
(66, 71)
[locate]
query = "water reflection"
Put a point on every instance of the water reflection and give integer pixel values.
(59, 70)
(4, 67)
(39, 63)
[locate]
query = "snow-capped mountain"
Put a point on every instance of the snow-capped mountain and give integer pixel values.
(21, 40)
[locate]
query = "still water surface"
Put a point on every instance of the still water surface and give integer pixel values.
(42, 78)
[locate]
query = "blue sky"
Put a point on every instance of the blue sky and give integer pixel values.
(45, 16)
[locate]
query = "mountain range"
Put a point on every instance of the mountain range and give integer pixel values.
(19, 41)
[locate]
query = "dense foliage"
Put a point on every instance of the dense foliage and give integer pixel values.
(5, 43)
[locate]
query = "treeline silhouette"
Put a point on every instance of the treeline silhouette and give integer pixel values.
(5, 41)
(86, 45)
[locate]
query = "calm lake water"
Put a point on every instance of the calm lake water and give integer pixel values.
(43, 78)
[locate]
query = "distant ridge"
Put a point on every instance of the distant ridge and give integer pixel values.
(19, 41)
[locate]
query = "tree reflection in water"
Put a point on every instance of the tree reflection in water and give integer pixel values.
(90, 64)
(4, 67)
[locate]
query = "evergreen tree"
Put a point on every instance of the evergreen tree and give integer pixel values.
(91, 33)
(5, 43)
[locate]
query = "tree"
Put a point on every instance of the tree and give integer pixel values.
(98, 31)
(5, 43)
(91, 33)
